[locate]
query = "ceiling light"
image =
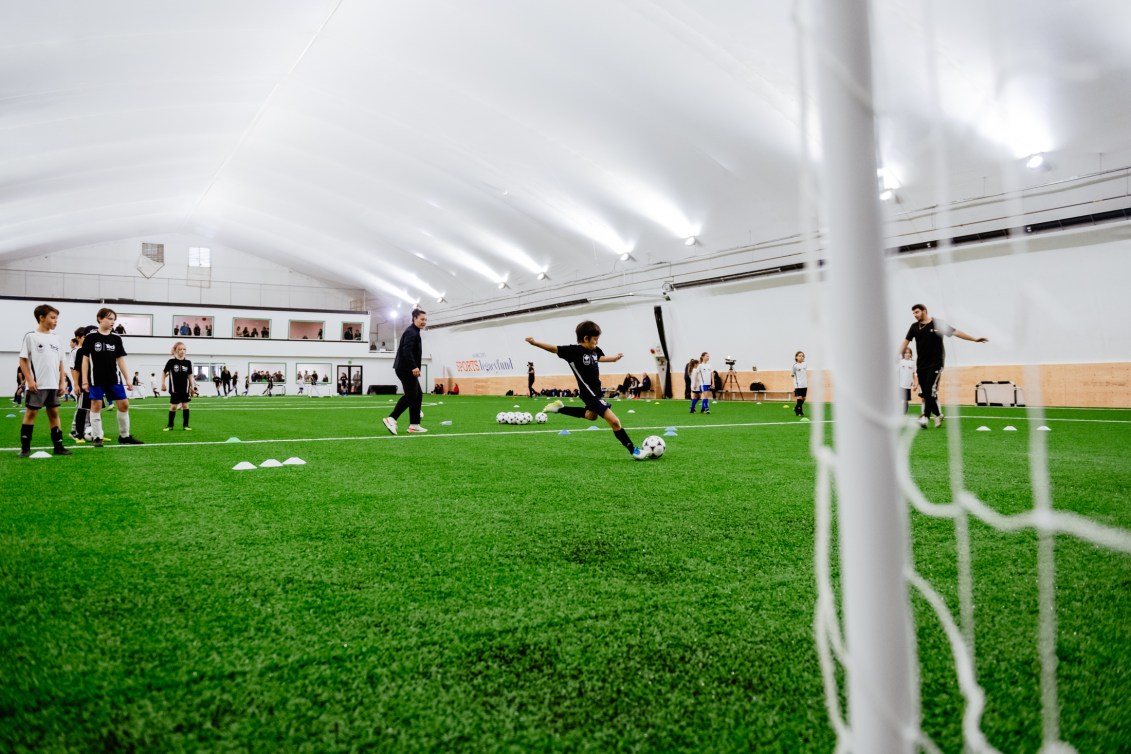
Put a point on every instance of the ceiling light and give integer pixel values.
(691, 241)
(887, 195)
(392, 313)
(503, 284)
(1035, 161)
(627, 257)
(441, 300)
(543, 276)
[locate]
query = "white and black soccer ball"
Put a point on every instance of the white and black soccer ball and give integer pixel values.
(541, 417)
(654, 446)
(527, 417)
(512, 417)
(501, 417)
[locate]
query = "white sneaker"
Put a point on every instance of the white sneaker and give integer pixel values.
(553, 408)
(923, 421)
(938, 421)
(416, 429)
(390, 424)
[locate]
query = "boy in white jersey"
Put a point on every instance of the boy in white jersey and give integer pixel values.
(800, 382)
(41, 362)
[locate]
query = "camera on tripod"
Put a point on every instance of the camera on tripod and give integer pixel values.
(730, 362)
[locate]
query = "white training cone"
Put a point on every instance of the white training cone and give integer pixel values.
(983, 428)
(517, 406)
(1043, 428)
(270, 463)
(232, 439)
(590, 429)
(10, 416)
(243, 466)
(294, 461)
(632, 411)
(1009, 429)
(564, 432)
(445, 424)
(40, 454)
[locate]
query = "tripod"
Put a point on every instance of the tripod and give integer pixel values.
(730, 383)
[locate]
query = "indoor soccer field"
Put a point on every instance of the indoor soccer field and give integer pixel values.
(489, 587)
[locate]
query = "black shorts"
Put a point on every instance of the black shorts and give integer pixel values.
(800, 392)
(175, 398)
(37, 399)
(597, 405)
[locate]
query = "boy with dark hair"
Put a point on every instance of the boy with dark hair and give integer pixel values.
(82, 411)
(103, 365)
(583, 360)
(41, 363)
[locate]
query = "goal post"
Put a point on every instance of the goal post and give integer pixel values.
(880, 661)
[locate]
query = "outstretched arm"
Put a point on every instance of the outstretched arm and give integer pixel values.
(964, 336)
(543, 346)
(607, 358)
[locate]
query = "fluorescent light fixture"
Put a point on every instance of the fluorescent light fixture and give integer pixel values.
(543, 276)
(1035, 161)
(691, 241)
(627, 257)
(887, 195)
(441, 300)
(503, 284)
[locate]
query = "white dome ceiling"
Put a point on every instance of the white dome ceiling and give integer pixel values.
(438, 147)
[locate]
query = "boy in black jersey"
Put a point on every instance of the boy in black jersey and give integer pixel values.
(928, 334)
(583, 359)
(103, 364)
(178, 371)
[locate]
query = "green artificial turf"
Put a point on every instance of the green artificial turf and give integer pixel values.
(510, 588)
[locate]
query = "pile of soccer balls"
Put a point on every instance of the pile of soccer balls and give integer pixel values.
(520, 417)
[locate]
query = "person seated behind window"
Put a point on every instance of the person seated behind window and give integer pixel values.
(263, 333)
(255, 332)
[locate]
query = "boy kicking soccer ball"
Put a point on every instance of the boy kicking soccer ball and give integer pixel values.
(583, 359)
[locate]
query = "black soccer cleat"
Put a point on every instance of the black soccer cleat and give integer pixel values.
(97, 442)
(129, 440)
(25, 454)
(61, 451)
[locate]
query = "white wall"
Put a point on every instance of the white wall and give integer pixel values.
(1063, 301)
(108, 271)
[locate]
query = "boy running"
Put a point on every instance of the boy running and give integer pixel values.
(583, 359)
(103, 364)
(41, 362)
(178, 370)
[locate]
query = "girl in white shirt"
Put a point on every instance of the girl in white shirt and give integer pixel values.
(800, 382)
(907, 377)
(703, 384)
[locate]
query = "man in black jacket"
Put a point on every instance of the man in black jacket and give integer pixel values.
(407, 366)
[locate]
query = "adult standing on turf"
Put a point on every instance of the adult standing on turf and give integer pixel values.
(530, 378)
(928, 334)
(41, 362)
(178, 371)
(103, 364)
(407, 366)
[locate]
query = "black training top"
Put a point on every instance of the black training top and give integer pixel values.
(103, 351)
(583, 362)
(928, 340)
(409, 351)
(178, 371)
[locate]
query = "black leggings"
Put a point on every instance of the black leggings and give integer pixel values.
(411, 400)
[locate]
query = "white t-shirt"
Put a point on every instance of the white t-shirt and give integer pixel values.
(45, 356)
(800, 379)
(906, 373)
(704, 376)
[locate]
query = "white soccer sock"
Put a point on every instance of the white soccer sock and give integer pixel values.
(123, 424)
(95, 425)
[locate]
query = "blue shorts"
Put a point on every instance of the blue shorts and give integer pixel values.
(597, 405)
(113, 392)
(707, 389)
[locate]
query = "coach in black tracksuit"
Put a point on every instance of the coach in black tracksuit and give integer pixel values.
(407, 366)
(928, 334)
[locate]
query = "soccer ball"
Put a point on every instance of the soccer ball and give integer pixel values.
(512, 417)
(541, 417)
(654, 446)
(526, 418)
(501, 417)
